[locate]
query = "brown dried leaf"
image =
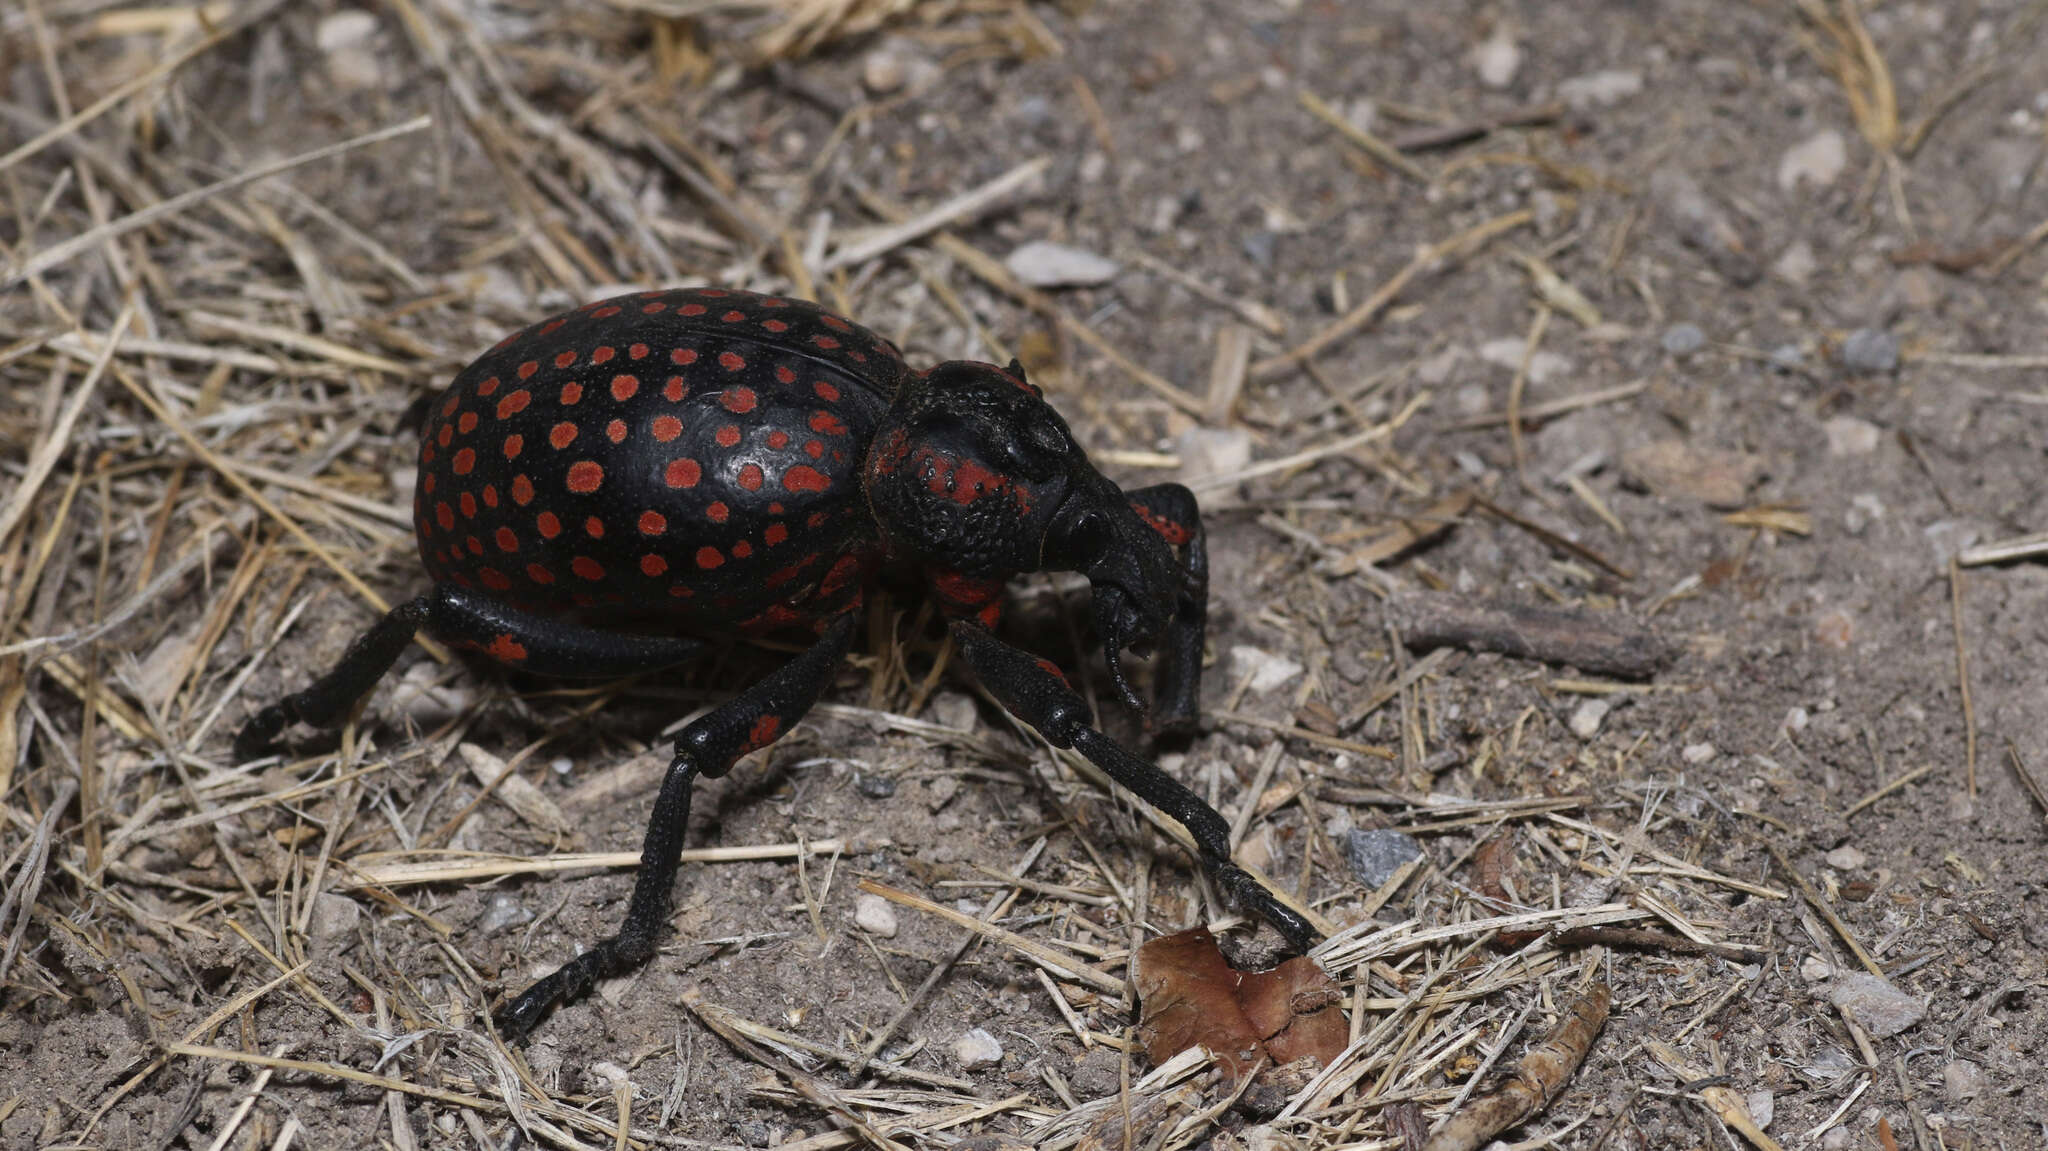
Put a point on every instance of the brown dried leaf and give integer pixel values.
(1191, 996)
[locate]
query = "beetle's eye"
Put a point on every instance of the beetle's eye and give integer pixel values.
(1039, 447)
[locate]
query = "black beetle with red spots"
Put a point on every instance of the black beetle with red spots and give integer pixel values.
(606, 490)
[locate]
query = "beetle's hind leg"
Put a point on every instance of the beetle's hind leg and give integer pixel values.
(1036, 692)
(1170, 510)
(469, 619)
(709, 746)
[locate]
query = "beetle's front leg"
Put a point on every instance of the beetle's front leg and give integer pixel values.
(1170, 510)
(708, 747)
(1034, 690)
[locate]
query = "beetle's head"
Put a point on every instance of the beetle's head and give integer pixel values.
(973, 471)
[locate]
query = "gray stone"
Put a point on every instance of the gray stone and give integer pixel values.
(1497, 58)
(1043, 264)
(1268, 672)
(1876, 1005)
(1816, 160)
(1763, 1107)
(1683, 339)
(872, 914)
(1376, 855)
(334, 917)
(501, 912)
(977, 1049)
(1787, 358)
(1588, 716)
(1849, 436)
(874, 786)
(1599, 89)
(1870, 351)
(1847, 858)
(1962, 1080)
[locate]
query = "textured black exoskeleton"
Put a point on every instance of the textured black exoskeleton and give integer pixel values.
(717, 463)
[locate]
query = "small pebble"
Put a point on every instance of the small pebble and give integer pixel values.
(1870, 351)
(1763, 1107)
(1962, 1080)
(1588, 716)
(1864, 509)
(1683, 339)
(955, 710)
(872, 914)
(1787, 358)
(1268, 672)
(1043, 264)
(1260, 247)
(874, 786)
(503, 911)
(1599, 89)
(1796, 720)
(1813, 969)
(1377, 854)
(977, 1049)
(1881, 1008)
(1846, 858)
(1816, 160)
(1699, 753)
(1497, 58)
(334, 916)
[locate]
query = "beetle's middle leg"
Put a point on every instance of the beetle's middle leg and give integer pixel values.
(708, 747)
(1035, 692)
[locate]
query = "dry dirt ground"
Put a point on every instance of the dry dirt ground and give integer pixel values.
(1762, 284)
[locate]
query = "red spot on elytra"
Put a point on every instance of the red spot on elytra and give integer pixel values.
(564, 359)
(825, 423)
(514, 403)
(522, 490)
(449, 405)
(825, 342)
(749, 477)
(728, 436)
(587, 568)
(514, 444)
(468, 506)
(738, 400)
(805, 478)
(593, 527)
(784, 374)
(445, 436)
(815, 448)
(494, 579)
(778, 439)
(445, 516)
(585, 476)
(615, 431)
(652, 565)
(815, 519)
(781, 576)
(602, 354)
(549, 526)
(653, 308)
(562, 435)
(682, 474)
(465, 461)
(467, 423)
(551, 327)
(475, 545)
(682, 357)
(775, 534)
(733, 317)
(826, 391)
(505, 648)
(775, 325)
(606, 312)
(572, 393)
(674, 390)
(835, 323)
(508, 541)
(666, 428)
(717, 512)
(487, 387)
(490, 495)
(527, 369)
(708, 557)
(692, 310)
(427, 483)
(636, 351)
(742, 550)
(624, 386)
(539, 574)
(837, 578)
(731, 361)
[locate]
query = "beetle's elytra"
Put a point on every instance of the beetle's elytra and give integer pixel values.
(607, 489)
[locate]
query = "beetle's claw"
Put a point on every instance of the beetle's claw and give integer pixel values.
(1124, 690)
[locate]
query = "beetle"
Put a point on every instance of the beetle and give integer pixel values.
(607, 490)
